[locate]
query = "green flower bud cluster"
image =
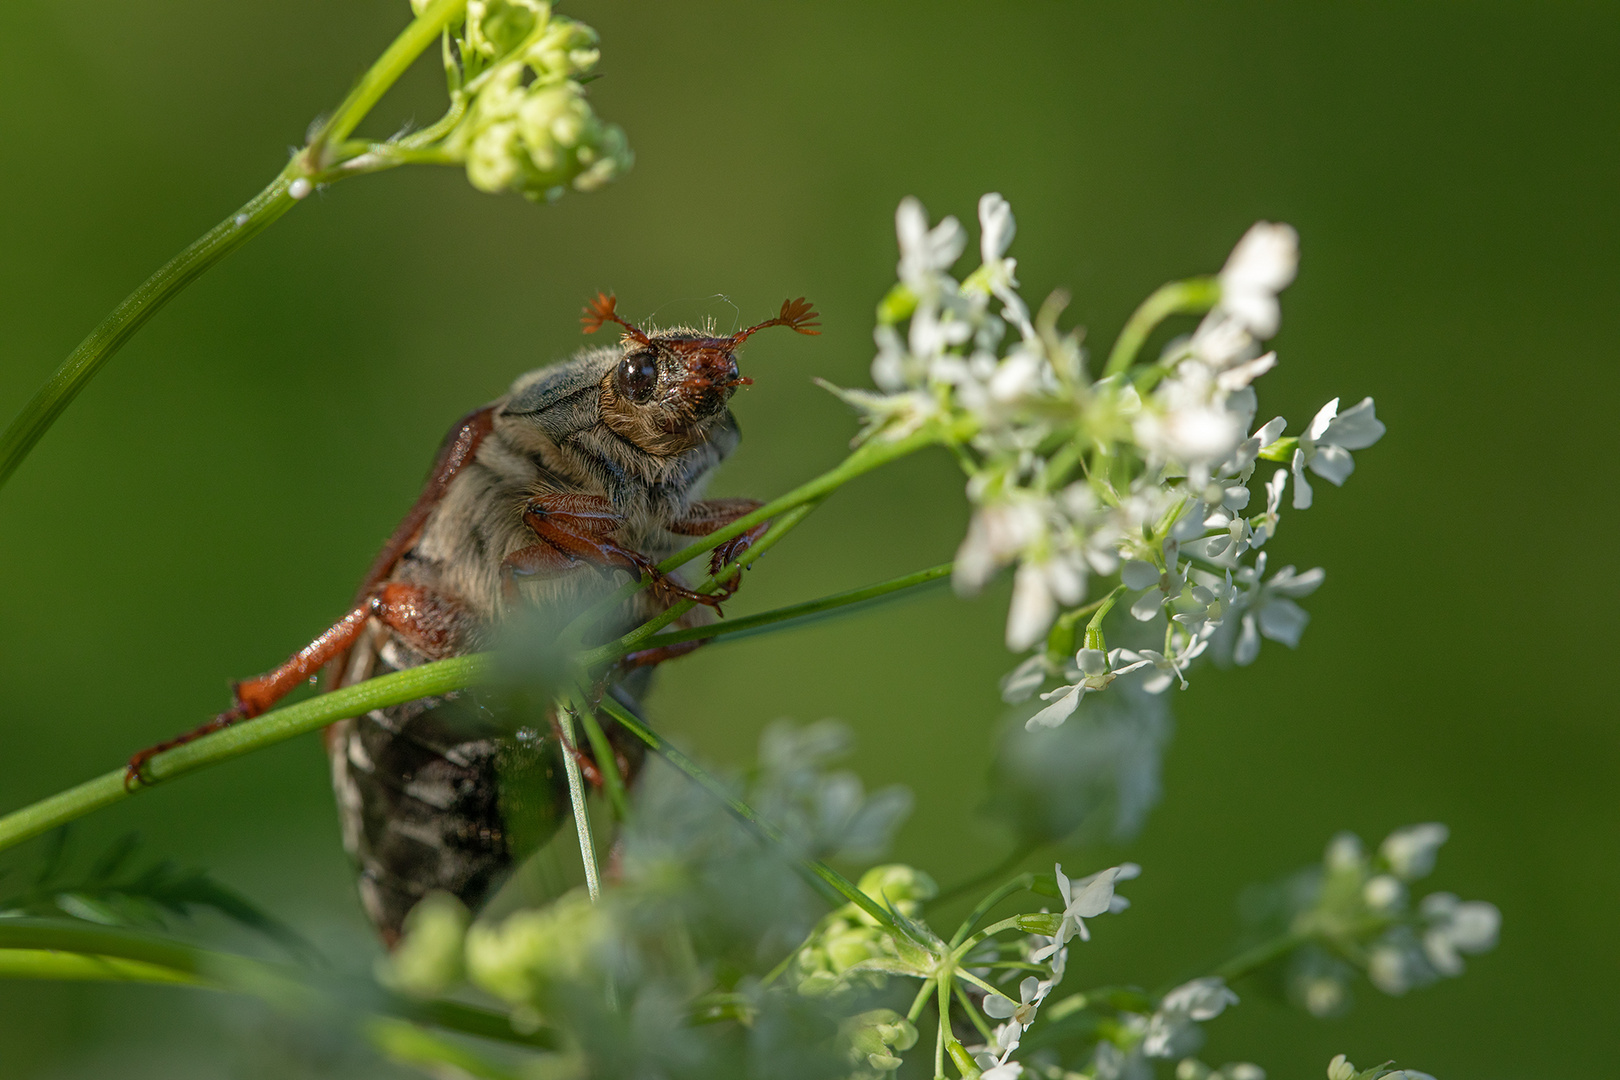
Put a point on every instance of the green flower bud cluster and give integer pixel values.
(428, 961)
(538, 949)
(849, 936)
(525, 124)
(872, 1038)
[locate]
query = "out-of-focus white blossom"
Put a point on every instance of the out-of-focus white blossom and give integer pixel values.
(1411, 851)
(1172, 1029)
(1325, 447)
(1456, 926)
(1261, 266)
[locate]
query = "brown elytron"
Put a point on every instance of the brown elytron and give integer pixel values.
(592, 465)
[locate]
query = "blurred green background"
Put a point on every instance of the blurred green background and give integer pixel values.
(213, 498)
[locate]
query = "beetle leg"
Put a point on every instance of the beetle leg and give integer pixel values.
(433, 623)
(658, 654)
(703, 518)
(583, 529)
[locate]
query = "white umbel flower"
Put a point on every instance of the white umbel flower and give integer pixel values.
(1170, 1030)
(1456, 927)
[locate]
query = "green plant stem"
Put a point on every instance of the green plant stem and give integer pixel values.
(1018, 855)
(136, 952)
(252, 218)
(576, 798)
(83, 362)
(778, 618)
(606, 763)
(1017, 884)
(423, 31)
(973, 1014)
(829, 882)
(1191, 297)
(1250, 960)
(425, 681)
(49, 964)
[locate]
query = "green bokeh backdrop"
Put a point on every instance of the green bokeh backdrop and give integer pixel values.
(212, 499)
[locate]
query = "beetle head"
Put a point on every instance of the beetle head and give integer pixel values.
(667, 386)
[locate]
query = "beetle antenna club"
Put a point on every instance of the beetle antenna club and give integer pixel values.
(799, 315)
(605, 309)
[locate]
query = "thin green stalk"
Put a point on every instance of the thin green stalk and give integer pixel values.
(961, 948)
(606, 763)
(944, 1006)
(83, 362)
(423, 31)
(1017, 884)
(425, 681)
(1251, 960)
(920, 1000)
(1191, 297)
(829, 882)
(576, 797)
(252, 218)
(980, 983)
(777, 618)
(973, 1014)
(49, 964)
(135, 951)
(1018, 855)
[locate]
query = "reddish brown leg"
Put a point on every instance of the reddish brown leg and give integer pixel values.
(431, 622)
(586, 763)
(703, 518)
(583, 528)
(649, 657)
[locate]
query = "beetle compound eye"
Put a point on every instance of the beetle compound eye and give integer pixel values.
(638, 376)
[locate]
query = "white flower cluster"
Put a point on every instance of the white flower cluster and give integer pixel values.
(1363, 905)
(1083, 898)
(1142, 472)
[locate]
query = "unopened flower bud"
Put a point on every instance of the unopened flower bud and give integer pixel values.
(1043, 923)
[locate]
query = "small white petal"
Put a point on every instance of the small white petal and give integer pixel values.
(1057, 712)
(1302, 486)
(998, 1007)
(1281, 620)
(1319, 423)
(1333, 464)
(1139, 574)
(1248, 643)
(1357, 428)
